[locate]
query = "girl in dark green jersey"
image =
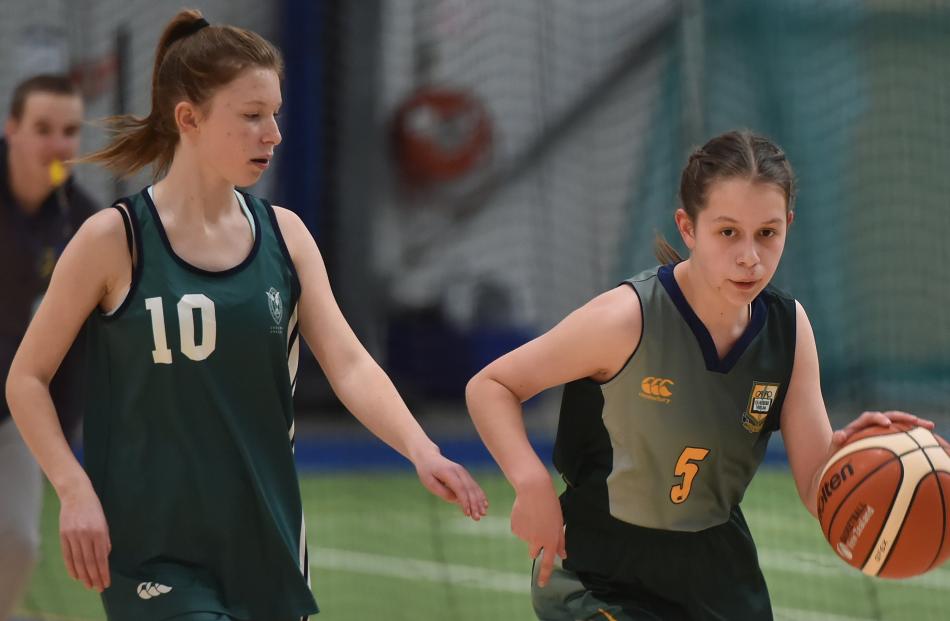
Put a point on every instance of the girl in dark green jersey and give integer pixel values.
(195, 296)
(674, 382)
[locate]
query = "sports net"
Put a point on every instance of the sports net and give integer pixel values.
(591, 110)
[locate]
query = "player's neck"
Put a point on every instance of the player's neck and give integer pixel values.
(719, 316)
(191, 193)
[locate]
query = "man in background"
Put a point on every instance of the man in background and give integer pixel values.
(41, 207)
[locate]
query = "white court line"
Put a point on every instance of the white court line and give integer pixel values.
(809, 563)
(794, 614)
(829, 565)
(477, 577)
(417, 569)
(488, 526)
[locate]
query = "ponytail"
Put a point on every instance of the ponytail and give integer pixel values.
(192, 60)
(664, 252)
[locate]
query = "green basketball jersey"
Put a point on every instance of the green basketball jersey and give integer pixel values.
(673, 440)
(189, 431)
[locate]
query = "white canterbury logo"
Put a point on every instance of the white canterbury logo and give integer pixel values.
(148, 590)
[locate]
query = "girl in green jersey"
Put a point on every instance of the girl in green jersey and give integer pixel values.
(190, 508)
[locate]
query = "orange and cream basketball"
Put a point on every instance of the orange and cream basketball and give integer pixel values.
(884, 501)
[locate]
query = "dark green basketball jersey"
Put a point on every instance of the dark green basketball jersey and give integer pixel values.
(189, 431)
(673, 440)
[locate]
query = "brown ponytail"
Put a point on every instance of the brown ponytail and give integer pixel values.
(191, 62)
(730, 155)
(664, 252)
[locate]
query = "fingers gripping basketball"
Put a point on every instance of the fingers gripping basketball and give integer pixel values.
(884, 501)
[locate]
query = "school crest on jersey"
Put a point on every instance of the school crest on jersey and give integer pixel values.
(761, 399)
(275, 305)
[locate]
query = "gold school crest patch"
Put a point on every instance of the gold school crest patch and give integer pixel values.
(761, 400)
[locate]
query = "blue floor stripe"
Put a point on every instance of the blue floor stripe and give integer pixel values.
(328, 454)
(315, 453)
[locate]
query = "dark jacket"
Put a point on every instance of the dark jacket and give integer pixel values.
(29, 247)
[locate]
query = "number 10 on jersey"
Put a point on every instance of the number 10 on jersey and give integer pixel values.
(186, 326)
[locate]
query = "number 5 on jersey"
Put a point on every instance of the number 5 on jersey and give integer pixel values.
(688, 470)
(186, 326)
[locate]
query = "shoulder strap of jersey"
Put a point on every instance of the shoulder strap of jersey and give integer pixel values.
(783, 316)
(264, 206)
(126, 208)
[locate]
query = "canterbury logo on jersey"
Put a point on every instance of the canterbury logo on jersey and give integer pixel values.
(148, 590)
(761, 399)
(656, 389)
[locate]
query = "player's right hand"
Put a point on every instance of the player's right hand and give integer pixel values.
(870, 419)
(84, 536)
(536, 519)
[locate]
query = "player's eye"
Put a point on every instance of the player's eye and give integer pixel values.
(728, 232)
(768, 233)
(252, 116)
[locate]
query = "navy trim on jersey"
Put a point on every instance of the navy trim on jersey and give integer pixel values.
(197, 270)
(643, 323)
(128, 229)
(706, 344)
(138, 259)
(272, 214)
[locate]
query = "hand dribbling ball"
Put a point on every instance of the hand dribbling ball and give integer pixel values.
(884, 501)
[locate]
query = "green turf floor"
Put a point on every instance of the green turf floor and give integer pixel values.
(382, 548)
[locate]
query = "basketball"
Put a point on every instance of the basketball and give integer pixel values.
(884, 501)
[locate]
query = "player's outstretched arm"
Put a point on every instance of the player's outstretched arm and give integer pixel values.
(594, 341)
(91, 267)
(360, 383)
(805, 426)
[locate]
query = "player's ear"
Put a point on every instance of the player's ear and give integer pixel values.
(789, 219)
(187, 116)
(10, 126)
(686, 227)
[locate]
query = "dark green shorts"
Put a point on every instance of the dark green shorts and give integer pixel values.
(179, 597)
(566, 598)
(641, 574)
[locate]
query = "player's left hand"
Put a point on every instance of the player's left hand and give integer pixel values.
(452, 483)
(869, 419)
